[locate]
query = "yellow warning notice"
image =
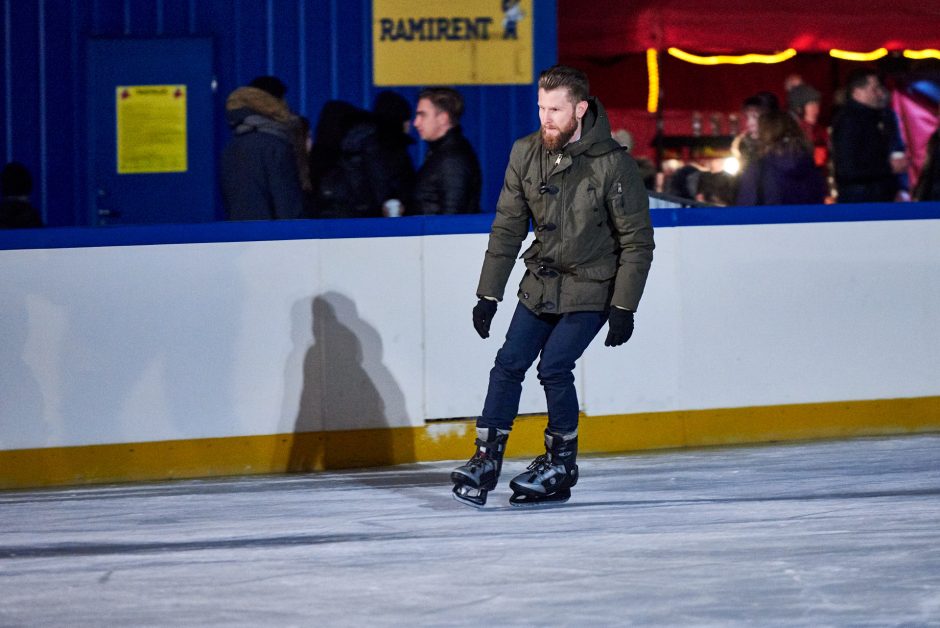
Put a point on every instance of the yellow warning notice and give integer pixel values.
(151, 129)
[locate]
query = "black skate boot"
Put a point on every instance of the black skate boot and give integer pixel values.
(549, 478)
(475, 479)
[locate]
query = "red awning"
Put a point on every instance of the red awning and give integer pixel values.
(609, 28)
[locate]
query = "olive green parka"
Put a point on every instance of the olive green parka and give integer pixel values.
(590, 212)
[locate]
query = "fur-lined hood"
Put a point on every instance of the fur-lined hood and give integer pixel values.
(260, 102)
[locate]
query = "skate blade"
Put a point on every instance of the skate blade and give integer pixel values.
(468, 496)
(524, 500)
(460, 479)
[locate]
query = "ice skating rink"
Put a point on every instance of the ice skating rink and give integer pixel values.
(819, 534)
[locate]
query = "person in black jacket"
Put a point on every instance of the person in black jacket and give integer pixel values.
(360, 161)
(928, 184)
(449, 181)
(396, 172)
(343, 154)
(865, 142)
(16, 212)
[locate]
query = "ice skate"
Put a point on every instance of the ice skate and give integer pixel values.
(473, 480)
(549, 478)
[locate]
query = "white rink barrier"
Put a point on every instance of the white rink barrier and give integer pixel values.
(161, 334)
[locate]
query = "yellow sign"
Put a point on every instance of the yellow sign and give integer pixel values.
(441, 42)
(151, 129)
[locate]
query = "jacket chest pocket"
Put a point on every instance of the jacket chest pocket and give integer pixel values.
(592, 206)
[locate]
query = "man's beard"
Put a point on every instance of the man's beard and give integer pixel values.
(555, 143)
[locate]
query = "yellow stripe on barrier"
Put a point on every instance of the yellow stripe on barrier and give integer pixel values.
(453, 440)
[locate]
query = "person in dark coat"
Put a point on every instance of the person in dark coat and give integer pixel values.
(16, 212)
(258, 170)
(783, 172)
(360, 164)
(298, 128)
(804, 101)
(745, 145)
(928, 184)
(343, 155)
(864, 143)
(396, 170)
(449, 180)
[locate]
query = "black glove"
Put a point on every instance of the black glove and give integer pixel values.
(483, 313)
(621, 327)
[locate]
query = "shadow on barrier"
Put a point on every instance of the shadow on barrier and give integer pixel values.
(349, 400)
(22, 406)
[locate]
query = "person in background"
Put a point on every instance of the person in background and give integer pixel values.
(299, 128)
(867, 153)
(803, 101)
(716, 187)
(258, 170)
(362, 168)
(449, 181)
(333, 139)
(745, 144)
(928, 184)
(396, 171)
(647, 172)
(16, 211)
(783, 171)
(792, 81)
(684, 181)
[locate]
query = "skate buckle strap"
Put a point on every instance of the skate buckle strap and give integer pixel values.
(539, 463)
(478, 459)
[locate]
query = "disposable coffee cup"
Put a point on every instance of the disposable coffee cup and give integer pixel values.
(392, 208)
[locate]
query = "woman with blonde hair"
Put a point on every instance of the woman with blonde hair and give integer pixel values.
(784, 172)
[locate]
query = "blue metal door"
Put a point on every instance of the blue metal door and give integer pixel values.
(151, 162)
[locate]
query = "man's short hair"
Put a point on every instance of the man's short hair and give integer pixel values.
(762, 101)
(572, 79)
(858, 78)
(445, 99)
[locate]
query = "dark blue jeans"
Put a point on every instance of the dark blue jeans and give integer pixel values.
(560, 339)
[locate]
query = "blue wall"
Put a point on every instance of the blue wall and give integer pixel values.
(321, 48)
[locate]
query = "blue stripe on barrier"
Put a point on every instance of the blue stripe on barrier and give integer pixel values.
(79, 237)
(783, 214)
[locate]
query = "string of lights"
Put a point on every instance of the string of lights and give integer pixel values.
(652, 62)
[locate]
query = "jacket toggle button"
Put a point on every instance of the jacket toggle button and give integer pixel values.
(547, 272)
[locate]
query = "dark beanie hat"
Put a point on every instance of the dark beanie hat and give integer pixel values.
(391, 107)
(271, 84)
(16, 180)
(800, 95)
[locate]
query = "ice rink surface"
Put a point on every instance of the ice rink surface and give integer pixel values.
(840, 533)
